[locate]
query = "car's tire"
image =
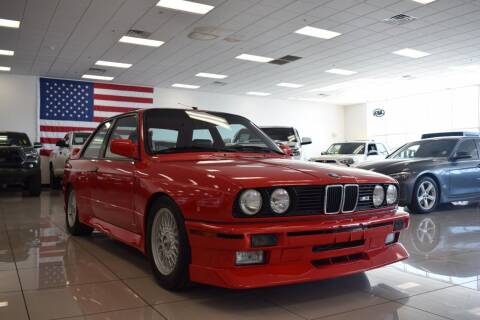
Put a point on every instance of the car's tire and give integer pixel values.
(55, 182)
(426, 195)
(74, 226)
(167, 245)
(34, 185)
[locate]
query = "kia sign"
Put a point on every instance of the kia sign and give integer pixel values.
(378, 112)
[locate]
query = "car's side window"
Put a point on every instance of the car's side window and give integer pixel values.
(468, 147)
(371, 147)
(202, 138)
(95, 146)
(125, 128)
(161, 139)
(381, 149)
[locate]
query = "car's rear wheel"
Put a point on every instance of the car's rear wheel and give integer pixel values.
(167, 245)
(74, 226)
(34, 185)
(426, 195)
(55, 182)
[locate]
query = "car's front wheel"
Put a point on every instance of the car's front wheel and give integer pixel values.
(167, 245)
(74, 226)
(426, 195)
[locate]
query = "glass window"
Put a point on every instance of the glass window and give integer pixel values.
(198, 131)
(381, 149)
(79, 138)
(281, 134)
(347, 148)
(468, 147)
(125, 128)
(14, 139)
(95, 146)
(426, 149)
(372, 147)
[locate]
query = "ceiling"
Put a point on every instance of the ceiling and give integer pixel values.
(65, 38)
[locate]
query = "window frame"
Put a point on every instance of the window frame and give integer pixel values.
(109, 135)
(102, 147)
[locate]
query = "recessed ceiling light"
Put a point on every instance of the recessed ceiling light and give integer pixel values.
(9, 23)
(289, 85)
(317, 33)
(5, 68)
(211, 75)
(7, 53)
(141, 41)
(341, 72)
(411, 53)
(256, 93)
(185, 86)
(188, 6)
(424, 1)
(254, 58)
(113, 64)
(95, 77)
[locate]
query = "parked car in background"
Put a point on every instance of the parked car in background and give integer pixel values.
(350, 153)
(433, 171)
(20, 162)
(59, 155)
(288, 136)
(175, 185)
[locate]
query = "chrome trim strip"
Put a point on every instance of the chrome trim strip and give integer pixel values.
(358, 195)
(326, 197)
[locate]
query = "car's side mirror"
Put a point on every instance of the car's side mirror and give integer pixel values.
(123, 147)
(37, 145)
(75, 152)
(306, 140)
(373, 153)
(461, 155)
(61, 144)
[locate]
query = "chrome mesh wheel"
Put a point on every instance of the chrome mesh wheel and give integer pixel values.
(165, 241)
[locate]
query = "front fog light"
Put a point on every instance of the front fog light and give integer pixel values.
(249, 257)
(390, 238)
(264, 240)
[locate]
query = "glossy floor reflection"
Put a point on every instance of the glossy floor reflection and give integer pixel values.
(46, 274)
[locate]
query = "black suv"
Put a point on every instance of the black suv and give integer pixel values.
(19, 162)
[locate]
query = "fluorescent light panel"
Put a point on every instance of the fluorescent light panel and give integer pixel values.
(95, 77)
(9, 23)
(318, 33)
(187, 6)
(341, 72)
(185, 86)
(5, 68)
(211, 75)
(141, 41)
(113, 64)
(411, 53)
(254, 58)
(289, 85)
(256, 93)
(424, 1)
(7, 53)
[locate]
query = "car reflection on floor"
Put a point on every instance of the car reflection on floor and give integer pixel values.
(98, 275)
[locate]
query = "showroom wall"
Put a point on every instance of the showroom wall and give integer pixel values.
(406, 118)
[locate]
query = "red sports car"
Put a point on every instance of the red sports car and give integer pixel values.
(209, 198)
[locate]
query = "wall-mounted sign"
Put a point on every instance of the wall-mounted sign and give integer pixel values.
(378, 112)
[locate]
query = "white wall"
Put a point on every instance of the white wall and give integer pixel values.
(355, 122)
(322, 122)
(18, 104)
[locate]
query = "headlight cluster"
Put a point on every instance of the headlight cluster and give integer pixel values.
(251, 201)
(390, 196)
(400, 176)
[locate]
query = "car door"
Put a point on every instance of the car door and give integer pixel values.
(465, 173)
(59, 157)
(116, 178)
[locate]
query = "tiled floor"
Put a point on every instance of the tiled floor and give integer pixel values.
(46, 274)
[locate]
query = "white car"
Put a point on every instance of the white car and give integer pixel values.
(59, 156)
(352, 153)
(288, 136)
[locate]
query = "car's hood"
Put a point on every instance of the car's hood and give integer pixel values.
(254, 171)
(388, 166)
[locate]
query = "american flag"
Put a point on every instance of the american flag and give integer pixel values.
(67, 105)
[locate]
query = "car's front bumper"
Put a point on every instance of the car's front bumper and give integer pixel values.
(15, 176)
(306, 251)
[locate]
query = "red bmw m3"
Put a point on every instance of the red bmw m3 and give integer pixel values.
(209, 198)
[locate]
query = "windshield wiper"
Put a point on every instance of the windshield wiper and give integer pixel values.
(253, 149)
(193, 149)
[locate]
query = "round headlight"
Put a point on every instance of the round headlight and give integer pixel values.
(392, 194)
(378, 196)
(251, 202)
(279, 201)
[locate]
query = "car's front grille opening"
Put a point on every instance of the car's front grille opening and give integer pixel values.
(333, 199)
(351, 198)
(341, 245)
(340, 259)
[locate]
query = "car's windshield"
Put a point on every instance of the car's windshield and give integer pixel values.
(425, 149)
(280, 134)
(169, 131)
(346, 148)
(14, 139)
(79, 138)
